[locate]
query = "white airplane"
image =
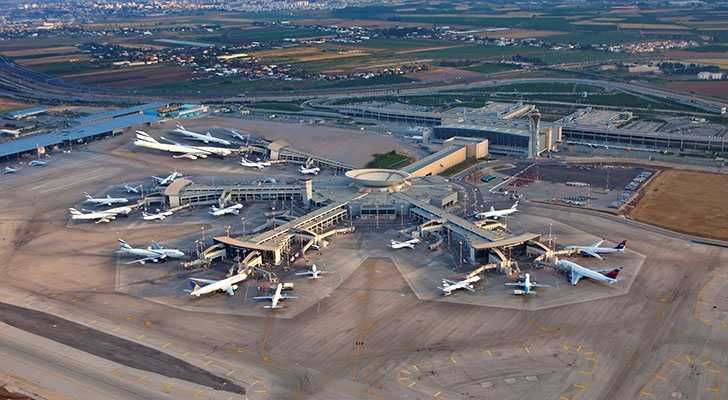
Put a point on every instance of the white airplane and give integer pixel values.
(239, 136)
(576, 272)
(168, 179)
(275, 298)
(527, 285)
(449, 286)
(108, 200)
(10, 170)
(144, 140)
(314, 272)
(217, 151)
(99, 216)
(154, 253)
(132, 189)
(159, 216)
(401, 245)
(233, 209)
(228, 285)
(253, 164)
(206, 138)
(595, 250)
(495, 214)
(37, 163)
(309, 171)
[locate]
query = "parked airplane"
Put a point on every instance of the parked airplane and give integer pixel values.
(239, 136)
(37, 163)
(154, 253)
(216, 151)
(275, 298)
(108, 200)
(314, 272)
(595, 250)
(206, 138)
(495, 214)
(159, 216)
(526, 284)
(132, 189)
(576, 272)
(168, 179)
(99, 216)
(144, 140)
(400, 245)
(309, 170)
(253, 164)
(449, 286)
(10, 170)
(233, 209)
(228, 285)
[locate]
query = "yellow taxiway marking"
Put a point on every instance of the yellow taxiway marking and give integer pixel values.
(452, 360)
(411, 384)
(141, 379)
(526, 349)
(415, 367)
(164, 346)
(198, 393)
(690, 359)
(232, 371)
(185, 354)
(715, 371)
(402, 378)
(140, 337)
(208, 362)
(660, 377)
(645, 393)
(724, 324)
(713, 389)
(240, 349)
(590, 358)
(404, 371)
(261, 391)
(564, 398)
(579, 347)
(147, 323)
(566, 347)
(437, 394)
(673, 361)
(585, 372)
(130, 318)
(580, 386)
(168, 387)
(706, 363)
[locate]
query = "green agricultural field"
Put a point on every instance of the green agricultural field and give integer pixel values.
(263, 34)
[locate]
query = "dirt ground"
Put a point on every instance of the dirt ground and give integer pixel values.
(707, 88)
(347, 145)
(689, 202)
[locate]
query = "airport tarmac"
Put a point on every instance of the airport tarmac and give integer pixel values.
(371, 337)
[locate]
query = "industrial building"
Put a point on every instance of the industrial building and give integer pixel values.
(27, 112)
(91, 127)
(455, 151)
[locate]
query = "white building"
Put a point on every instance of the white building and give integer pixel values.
(710, 76)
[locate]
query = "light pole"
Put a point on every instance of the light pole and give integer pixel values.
(460, 260)
(242, 221)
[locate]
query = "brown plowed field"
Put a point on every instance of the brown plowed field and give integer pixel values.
(688, 202)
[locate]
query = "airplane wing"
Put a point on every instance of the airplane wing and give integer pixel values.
(200, 280)
(304, 273)
(469, 287)
(143, 260)
(592, 253)
(449, 282)
(598, 243)
(539, 285)
(515, 284)
(285, 296)
(575, 277)
(230, 291)
(266, 297)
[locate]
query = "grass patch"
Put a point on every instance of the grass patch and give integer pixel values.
(277, 105)
(389, 160)
(492, 68)
(455, 169)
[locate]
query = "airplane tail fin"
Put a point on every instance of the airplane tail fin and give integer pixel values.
(88, 196)
(492, 209)
(621, 245)
(613, 273)
(515, 205)
(192, 287)
(123, 244)
(74, 211)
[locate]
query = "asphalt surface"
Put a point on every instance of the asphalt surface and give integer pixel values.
(110, 347)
